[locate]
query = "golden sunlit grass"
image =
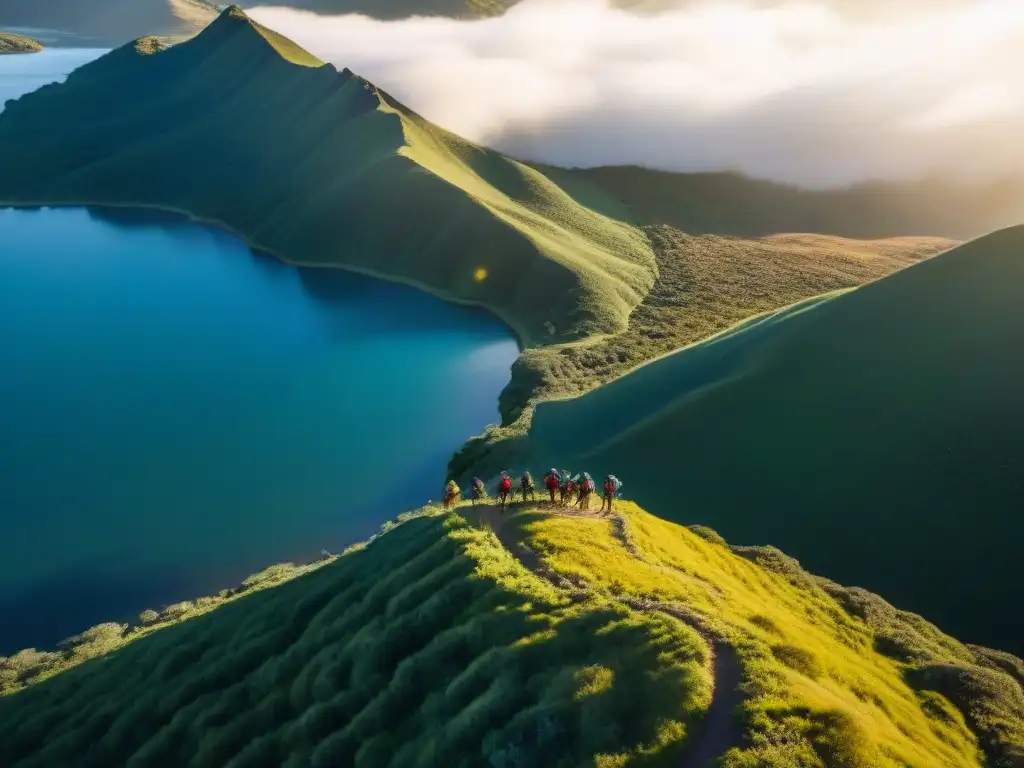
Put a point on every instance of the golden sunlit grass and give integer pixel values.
(433, 641)
(821, 693)
(431, 644)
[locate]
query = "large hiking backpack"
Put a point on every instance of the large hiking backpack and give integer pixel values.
(506, 484)
(616, 483)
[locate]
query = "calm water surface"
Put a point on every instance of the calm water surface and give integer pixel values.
(177, 412)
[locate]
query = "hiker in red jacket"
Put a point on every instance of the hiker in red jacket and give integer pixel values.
(551, 483)
(504, 488)
(566, 489)
(611, 487)
(586, 488)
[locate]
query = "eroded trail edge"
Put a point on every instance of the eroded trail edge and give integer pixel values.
(719, 730)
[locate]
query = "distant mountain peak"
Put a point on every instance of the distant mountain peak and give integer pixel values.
(233, 19)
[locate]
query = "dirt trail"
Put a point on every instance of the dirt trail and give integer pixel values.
(719, 729)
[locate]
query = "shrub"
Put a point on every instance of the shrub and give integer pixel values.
(840, 741)
(102, 635)
(799, 659)
(176, 611)
(766, 623)
(707, 534)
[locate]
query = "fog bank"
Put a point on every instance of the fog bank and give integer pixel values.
(803, 92)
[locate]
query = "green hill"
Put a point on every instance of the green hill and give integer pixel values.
(731, 204)
(877, 435)
(240, 126)
(12, 43)
(476, 638)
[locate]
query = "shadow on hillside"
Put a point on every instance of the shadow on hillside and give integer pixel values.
(392, 653)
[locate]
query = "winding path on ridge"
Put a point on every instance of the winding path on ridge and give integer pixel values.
(718, 730)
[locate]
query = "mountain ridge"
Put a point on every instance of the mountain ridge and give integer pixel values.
(504, 637)
(11, 43)
(594, 269)
(853, 429)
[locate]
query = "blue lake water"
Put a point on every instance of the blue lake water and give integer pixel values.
(177, 412)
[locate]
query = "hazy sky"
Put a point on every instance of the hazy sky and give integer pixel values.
(817, 92)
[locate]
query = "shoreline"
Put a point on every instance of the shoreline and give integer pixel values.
(522, 339)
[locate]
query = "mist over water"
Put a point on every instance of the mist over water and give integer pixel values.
(813, 92)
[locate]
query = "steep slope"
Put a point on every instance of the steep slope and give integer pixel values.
(325, 168)
(525, 638)
(243, 127)
(12, 43)
(877, 436)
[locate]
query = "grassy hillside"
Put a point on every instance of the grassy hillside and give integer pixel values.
(324, 168)
(320, 167)
(877, 435)
(705, 284)
(504, 640)
(12, 43)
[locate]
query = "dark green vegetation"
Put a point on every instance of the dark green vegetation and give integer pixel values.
(241, 126)
(12, 43)
(884, 426)
(705, 284)
(552, 640)
(408, 652)
(322, 168)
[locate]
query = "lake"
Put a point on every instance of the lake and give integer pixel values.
(177, 411)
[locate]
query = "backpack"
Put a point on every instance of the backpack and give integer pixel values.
(551, 482)
(588, 485)
(506, 484)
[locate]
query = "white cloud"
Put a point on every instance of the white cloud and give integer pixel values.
(796, 91)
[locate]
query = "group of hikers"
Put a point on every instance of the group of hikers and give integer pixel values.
(572, 490)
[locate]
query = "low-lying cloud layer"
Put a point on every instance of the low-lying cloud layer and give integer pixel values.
(797, 91)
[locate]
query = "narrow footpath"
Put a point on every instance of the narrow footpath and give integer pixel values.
(719, 730)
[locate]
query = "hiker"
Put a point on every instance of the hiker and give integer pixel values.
(551, 483)
(504, 488)
(451, 494)
(586, 488)
(611, 487)
(565, 489)
(477, 491)
(526, 486)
